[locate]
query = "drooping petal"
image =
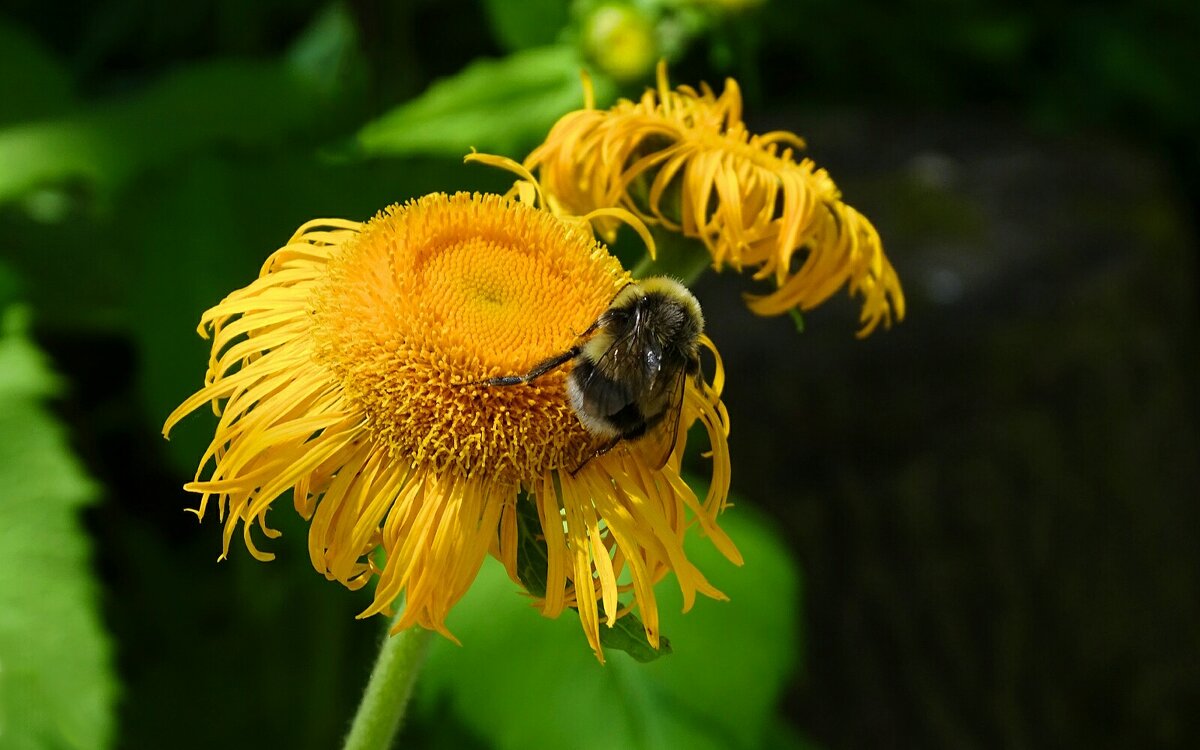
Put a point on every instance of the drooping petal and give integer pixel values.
(751, 204)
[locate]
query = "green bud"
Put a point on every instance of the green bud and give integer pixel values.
(619, 39)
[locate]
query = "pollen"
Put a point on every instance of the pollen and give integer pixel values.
(435, 296)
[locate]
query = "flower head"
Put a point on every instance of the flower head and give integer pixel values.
(350, 374)
(685, 161)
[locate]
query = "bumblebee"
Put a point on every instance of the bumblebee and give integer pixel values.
(630, 367)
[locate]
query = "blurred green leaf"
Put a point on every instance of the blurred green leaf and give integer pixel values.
(10, 286)
(327, 52)
(57, 689)
(997, 40)
(243, 103)
(524, 681)
(782, 736)
(531, 23)
(499, 106)
(34, 83)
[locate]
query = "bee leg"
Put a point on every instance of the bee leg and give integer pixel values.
(592, 328)
(540, 369)
(609, 445)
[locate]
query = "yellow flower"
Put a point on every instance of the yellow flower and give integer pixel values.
(348, 374)
(684, 160)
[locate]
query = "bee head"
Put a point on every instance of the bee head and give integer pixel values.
(674, 311)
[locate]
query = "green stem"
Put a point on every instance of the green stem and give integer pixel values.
(381, 711)
(681, 257)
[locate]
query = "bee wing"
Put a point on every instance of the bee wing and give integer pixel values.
(658, 442)
(622, 372)
(601, 391)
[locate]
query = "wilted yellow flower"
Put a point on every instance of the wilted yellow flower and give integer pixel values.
(684, 160)
(348, 373)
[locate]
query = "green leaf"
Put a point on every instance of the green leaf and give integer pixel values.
(243, 103)
(327, 53)
(34, 83)
(530, 23)
(532, 557)
(499, 106)
(56, 683)
(524, 681)
(629, 635)
(10, 287)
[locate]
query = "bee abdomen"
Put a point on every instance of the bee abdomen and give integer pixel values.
(630, 422)
(604, 405)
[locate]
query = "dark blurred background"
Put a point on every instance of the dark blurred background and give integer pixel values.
(993, 504)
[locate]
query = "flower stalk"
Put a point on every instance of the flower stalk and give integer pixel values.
(678, 257)
(385, 701)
